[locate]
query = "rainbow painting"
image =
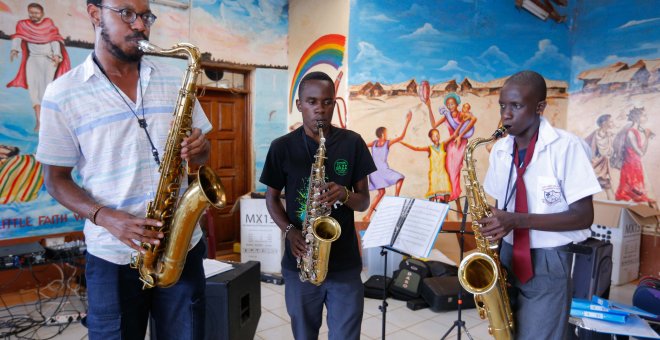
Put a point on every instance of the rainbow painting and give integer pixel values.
(328, 49)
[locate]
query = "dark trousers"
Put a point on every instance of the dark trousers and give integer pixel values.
(341, 292)
(119, 308)
(542, 304)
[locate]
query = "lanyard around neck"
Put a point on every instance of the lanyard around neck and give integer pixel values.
(142, 122)
(522, 166)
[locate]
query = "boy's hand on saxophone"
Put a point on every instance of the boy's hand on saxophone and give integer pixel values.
(297, 242)
(498, 225)
(331, 193)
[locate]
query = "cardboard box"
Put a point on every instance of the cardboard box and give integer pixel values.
(261, 238)
(621, 224)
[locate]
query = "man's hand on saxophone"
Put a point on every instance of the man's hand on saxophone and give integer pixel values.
(124, 226)
(195, 148)
(128, 228)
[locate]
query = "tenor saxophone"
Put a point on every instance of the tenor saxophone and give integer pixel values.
(162, 264)
(480, 273)
(319, 229)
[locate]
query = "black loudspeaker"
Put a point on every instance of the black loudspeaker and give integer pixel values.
(592, 269)
(233, 303)
(592, 275)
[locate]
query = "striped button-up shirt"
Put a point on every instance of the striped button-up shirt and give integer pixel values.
(86, 124)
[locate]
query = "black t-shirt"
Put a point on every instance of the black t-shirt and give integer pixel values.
(288, 166)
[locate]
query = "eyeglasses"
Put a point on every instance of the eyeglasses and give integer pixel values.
(129, 16)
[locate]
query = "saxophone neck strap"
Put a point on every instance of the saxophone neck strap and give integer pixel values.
(142, 122)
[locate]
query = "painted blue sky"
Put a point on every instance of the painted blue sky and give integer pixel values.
(257, 16)
(601, 38)
(393, 41)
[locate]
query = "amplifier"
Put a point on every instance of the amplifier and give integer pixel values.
(20, 255)
(66, 250)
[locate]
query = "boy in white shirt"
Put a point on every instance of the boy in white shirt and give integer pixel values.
(539, 215)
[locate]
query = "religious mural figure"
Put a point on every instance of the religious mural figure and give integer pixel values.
(630, 145)
(384, 176)
(600, 142)
(43, 55)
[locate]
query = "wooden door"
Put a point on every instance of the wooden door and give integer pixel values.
(229, 158)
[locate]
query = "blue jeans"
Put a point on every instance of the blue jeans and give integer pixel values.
(119, 308)
(341, 292)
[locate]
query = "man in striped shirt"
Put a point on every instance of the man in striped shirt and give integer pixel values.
(109, 118)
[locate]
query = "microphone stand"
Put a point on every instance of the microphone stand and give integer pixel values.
(459, 323)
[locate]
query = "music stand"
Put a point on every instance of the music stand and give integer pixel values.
(383, 306)
(460, 323)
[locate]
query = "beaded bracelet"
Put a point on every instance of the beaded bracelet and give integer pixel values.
(347, 196)
(94, 211)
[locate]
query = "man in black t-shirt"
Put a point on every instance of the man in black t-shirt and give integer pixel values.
(288, 166)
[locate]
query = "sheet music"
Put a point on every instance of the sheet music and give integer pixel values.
(418, 232)
(421, 228)
(405, 210)
(379, 232)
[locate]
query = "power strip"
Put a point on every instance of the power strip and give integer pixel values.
(64, 318)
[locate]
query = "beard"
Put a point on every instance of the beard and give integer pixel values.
(117, 52)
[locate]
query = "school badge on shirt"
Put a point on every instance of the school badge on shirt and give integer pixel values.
(551, 194)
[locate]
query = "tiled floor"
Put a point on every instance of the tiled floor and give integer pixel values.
(402, 323)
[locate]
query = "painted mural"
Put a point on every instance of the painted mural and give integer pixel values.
(425, 77)
(38, 43)
(615, 93)
(318, 34)
(33, 53)
(252, 32)
(240, 32)
(328, 52)
(270, 114)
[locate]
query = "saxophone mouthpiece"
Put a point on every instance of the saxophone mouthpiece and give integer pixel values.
(500, 131)
(146, 46)
(320, 124)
